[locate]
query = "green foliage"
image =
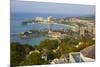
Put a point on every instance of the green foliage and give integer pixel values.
(87, 41)
(32, 59)
(45, 62)
(48, 44)
(27, 48)
(47, 47)
(51, 55)
(18, 53)
(64, 48)
(16, 58)
(16, 47)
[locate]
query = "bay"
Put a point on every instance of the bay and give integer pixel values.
(17, 27)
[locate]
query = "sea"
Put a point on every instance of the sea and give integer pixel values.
(16, 27)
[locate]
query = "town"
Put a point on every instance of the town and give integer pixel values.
(75, 25)
(76, 44)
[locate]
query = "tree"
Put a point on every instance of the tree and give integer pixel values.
(16, 58)
(64, 48)
(51, 55)
(27, 48)
(33, 59)
(48, 44)
(17, 54)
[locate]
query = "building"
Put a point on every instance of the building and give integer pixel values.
(39, 19)
(77, 57)
(54, 34)
(75, 28)
(90, 27)
(89, 52)
(82, 31)
(61, 20)
(59, 61)
(49, 20)
(93, 30)
(44, 54)
(51, 33)
(85, 55)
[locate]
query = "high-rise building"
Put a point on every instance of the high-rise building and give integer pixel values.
(75, 28)
(49, 19)
(82, 30)
(90, 27)
(93, 30)
(39, 19)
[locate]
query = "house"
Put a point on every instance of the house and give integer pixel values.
(85, 55)
(59, 61)
(54, 34)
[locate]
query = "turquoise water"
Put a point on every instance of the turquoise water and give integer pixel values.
(17, 27)
(32, 41)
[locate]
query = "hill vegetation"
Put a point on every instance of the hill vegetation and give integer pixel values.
(32, 55)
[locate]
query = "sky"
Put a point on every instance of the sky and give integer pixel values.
(51, 8)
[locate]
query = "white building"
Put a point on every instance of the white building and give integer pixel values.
(54, 34)
(90, 27)
(77, 57)
(49, 19)
(93, 30)
(39, 19)
(85, 55)
(82, 30)
(59, 61)
(75, 28)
